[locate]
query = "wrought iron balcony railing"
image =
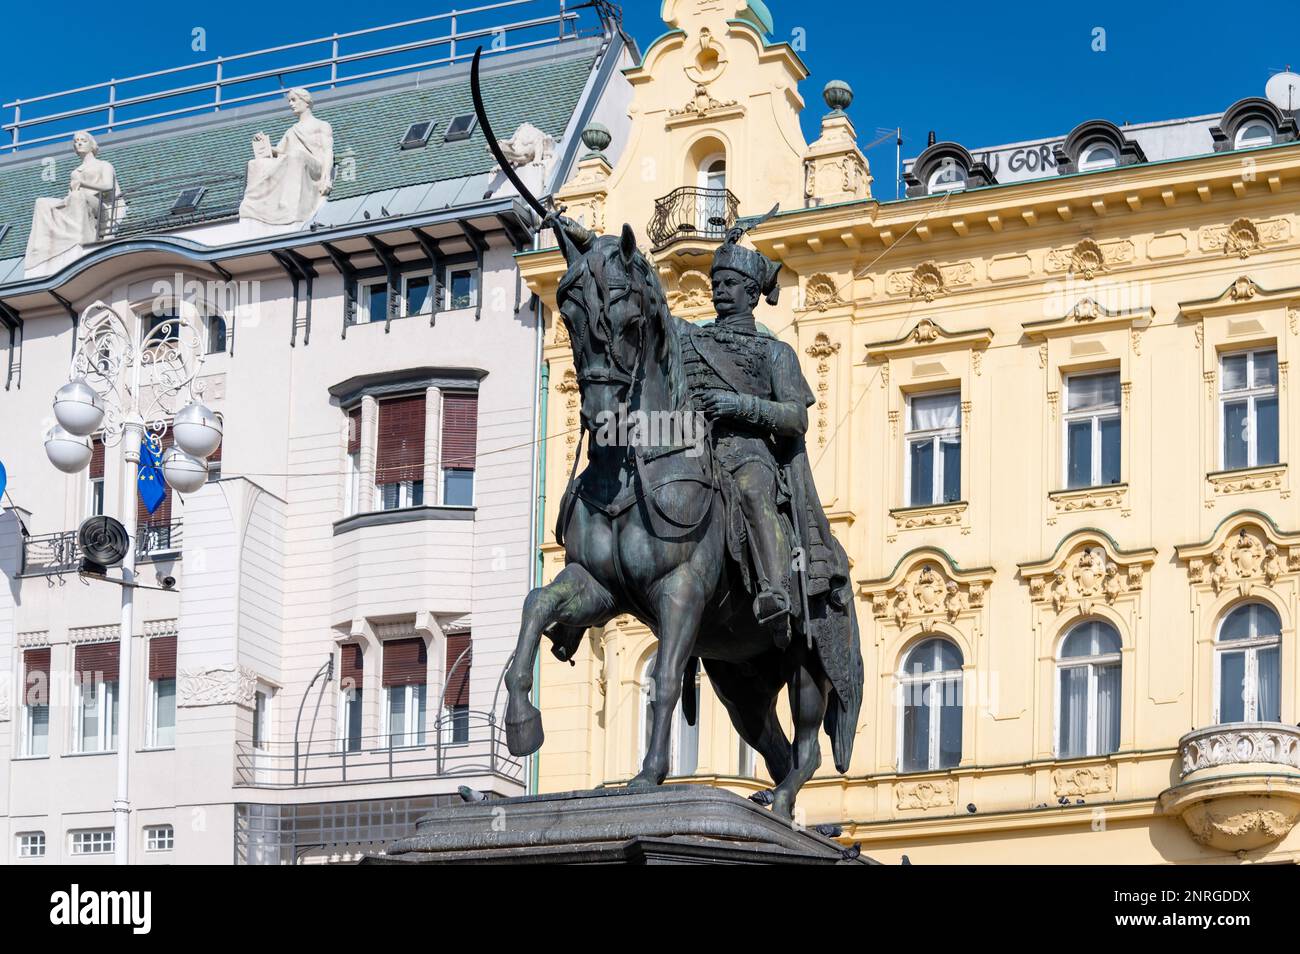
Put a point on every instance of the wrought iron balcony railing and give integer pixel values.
(55, 553)
(457, 745)
(171, 202)
(692, 213)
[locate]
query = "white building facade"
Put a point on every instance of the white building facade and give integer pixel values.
(317, 659)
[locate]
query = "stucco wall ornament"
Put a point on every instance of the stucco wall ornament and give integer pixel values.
(927, 282)
(1243, 237)
(218, 686)
(1077, 782)
(1087, 258)
(916, 796)
(820, 293)
(1090, 572)
(701, 105)
(1247, 554)
(927, 592)
(823, 349)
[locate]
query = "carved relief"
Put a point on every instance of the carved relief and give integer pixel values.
(822, 349)
(917, 796)
(1066, 502)
(224, 685)
(1087, 258)
(568, 387)
(1087, 780)
(820, 293)
(1245, 557)
(694, 291)
(1087, 575)
(927, 593)
(928, 280)
(701, 105)
(1238, 482)
(1244, 237)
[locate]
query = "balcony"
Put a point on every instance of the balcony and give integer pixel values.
(54, 554)
(1240, 784)
(323, 762)
(692, 214)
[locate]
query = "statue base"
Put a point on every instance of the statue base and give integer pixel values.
(671, 824)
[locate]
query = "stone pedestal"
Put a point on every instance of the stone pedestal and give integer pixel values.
(672, 824)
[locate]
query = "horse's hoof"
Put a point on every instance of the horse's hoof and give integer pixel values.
(783, 806)
(643, 781)
(524, 735)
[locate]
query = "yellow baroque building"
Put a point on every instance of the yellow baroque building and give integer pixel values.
(1053, 430)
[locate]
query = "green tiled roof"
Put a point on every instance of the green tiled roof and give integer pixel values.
(367, 130)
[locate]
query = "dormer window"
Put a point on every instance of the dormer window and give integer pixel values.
(947, 178)
(1254, 133)
(1098, 156)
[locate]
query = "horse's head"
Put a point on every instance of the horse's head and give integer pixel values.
(624, 346)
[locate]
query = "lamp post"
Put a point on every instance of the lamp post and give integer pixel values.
(125, 382)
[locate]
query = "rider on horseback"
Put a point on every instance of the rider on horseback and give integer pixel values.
(752, 388)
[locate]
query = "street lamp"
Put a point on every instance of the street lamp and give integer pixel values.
(126, 383)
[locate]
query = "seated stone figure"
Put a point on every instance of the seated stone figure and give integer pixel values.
(287, 182)
(61, 224)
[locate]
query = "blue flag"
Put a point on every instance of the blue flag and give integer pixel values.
(152, 489)
(4, 479)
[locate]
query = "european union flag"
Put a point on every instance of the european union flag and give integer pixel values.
(152, 489)
(4, 479)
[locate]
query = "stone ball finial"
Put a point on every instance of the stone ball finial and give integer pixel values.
(596, 137)
(838, 95)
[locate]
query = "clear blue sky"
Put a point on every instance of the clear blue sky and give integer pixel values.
(977, 73)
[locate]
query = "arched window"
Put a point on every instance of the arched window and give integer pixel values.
(1088, 691)
(930, 728)
(1248, 665)
(948, 177)
(1097, 156)
(1254, 132)
(684, 757)
(711, 199)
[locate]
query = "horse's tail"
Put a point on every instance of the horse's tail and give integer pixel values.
(845, 704)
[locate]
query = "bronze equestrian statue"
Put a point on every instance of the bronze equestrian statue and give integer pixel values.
(712, 536)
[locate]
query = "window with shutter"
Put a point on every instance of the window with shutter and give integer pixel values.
(36, 702)
(162, 692)
(459, 448)
(96, 666)
(460, 657)
(399, 466)
(405, 666)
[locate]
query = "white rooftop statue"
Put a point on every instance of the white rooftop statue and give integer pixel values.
(59, 225)
(287, 183)
(527, 146)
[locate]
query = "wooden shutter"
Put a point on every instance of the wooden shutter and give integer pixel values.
(97, 458)
(457, 692)
(162, 657)
(354, 431)
(36, 677)
(405, 662)
(459, 430)
(352, 665)
(401, 440)
(163, 515)
(97, 660)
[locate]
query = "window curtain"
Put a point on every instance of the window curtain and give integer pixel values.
(1092, 391)
(1073, 739)
(1108, 702)
(1267, 708)
(916, 727)
(935, 412)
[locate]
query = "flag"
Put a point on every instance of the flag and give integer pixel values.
(152, 489)
(4, 479)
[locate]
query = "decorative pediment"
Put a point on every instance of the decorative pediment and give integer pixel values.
(926, 587)
(928, 335)
(1243, 291)
(1246, 549)
(1088, 314)
(1088, 567)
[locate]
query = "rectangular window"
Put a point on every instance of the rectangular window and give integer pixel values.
(95, 491)
(461, 287)
(933, 449)
(1248, 398)
(36, 702)
(399, 469)
(460, 660)
(162, 692)
(372, 301)
(93, 841)
(97, 674)
(159, 838)
(352, 487)
(351, 679)
(405, 676)
(1092, 430)
(31, 844)
(417, 298)
(459, 448)
(261, 718)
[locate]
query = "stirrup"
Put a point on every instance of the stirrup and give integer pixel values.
(769, 605)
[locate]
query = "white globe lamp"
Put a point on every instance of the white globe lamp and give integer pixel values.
(79, 409)
(69, 453)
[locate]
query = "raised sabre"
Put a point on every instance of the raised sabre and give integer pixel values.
(506, 167)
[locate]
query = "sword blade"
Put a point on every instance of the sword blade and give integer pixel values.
(486, 126)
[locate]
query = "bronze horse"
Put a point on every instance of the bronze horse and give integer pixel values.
(644, 531)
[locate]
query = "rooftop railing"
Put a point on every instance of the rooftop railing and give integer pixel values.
(322, 63)
(458, 745)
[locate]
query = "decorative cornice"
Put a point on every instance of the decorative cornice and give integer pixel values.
(94, 634)
(928, 336)
(1090, 315)
(1243, 290)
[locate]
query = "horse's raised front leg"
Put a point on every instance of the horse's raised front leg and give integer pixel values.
(574, 598)
(680, 602)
